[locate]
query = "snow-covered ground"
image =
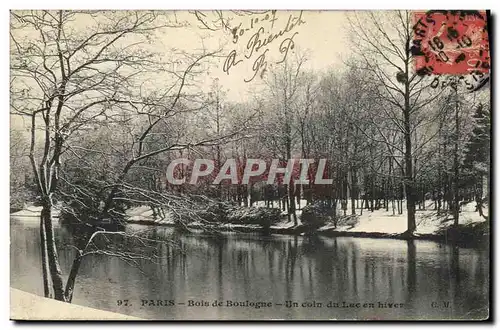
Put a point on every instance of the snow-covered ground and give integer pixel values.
(428, 221)
(32, 213)
(145, 213)
(381, 221)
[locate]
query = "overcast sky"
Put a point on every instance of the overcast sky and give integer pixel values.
(320, 34)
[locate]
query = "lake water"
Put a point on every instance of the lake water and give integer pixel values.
(319, 277)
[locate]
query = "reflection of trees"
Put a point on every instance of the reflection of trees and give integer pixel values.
(291, 257)
(282, 268)
(317, 256)
(411, 271)
(220, 265)
(354, 265)
(455, 268)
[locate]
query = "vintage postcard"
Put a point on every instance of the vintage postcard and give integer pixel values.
(250, 165)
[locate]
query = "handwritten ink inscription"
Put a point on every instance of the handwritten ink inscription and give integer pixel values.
(452, 42)
(262, 39)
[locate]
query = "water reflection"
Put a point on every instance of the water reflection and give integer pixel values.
(244, 267)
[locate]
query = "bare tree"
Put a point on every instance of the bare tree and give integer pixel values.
(66, 79)
(383, 42)
(283, 85)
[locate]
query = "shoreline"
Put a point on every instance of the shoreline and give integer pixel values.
(302, 230)
(472, 231)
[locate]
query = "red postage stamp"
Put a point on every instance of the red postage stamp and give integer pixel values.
(451, 42)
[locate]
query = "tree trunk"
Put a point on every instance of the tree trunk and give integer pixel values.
(391, 175)
(334, 206)
(456, 196)
(408, 182)
(70, 284)
(423, 195)
(291, 196)
(53, 260)
(354, 191)
(45, 265)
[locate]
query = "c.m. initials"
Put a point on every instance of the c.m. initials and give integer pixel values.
(440, 304)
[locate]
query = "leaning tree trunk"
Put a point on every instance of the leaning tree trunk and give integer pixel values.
(70, 284)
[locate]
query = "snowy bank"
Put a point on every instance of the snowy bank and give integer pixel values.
(430, 223)
(365, 223)
(31, 212)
